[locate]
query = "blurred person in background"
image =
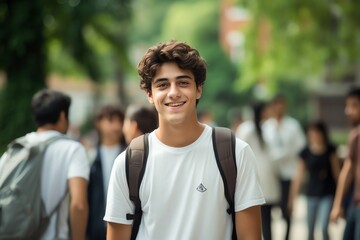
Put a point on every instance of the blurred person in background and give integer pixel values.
(206, 117)
(319, 159)
(108, 121)
(139, 120)
(251, 132)
(65, 167)
(286, 139)
(350, 172)
(236, 118)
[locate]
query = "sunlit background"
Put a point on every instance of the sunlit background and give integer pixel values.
(307, 50)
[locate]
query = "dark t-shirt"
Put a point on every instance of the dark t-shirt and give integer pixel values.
(321, 179)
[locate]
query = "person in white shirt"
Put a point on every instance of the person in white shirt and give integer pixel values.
(251, 132)
(286, 139)
(182, 192)
(65, 167)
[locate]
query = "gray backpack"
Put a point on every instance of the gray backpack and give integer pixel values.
(22, 211)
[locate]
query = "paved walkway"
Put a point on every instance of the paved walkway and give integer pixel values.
(299, 229)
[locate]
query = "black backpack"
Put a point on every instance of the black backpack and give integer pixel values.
(136, 157)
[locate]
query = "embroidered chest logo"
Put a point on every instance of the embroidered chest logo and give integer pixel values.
(201, 188)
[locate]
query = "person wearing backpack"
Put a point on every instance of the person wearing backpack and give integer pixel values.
(64, 171)
(182, 192)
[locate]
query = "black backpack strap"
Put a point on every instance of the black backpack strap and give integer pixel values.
(224, 149)
(136, 158)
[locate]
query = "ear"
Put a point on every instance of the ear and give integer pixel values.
(149, 96)
(62, 116)
(199, 91)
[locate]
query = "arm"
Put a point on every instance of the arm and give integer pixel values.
(117, 231)
(335, 166)
(248, 223)
(296, 184)
(78, 207)
(345, 178)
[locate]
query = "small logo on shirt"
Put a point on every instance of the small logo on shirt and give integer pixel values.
(201, 188)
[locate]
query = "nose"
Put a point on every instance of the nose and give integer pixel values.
(174, 91)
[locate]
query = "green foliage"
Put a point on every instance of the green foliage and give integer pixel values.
(91, 34)
(83, 38)
(197, 24)
(306, 40)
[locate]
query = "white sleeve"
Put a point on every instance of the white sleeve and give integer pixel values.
(79, 164)
(118, 202)
(248, 192)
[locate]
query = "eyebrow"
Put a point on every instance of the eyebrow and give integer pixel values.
(166, 79)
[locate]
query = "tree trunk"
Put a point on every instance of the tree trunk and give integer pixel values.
(23, 60)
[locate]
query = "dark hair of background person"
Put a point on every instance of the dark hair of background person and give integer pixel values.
(109, 111)
(320, 126)
(47, 105)
(186, 57)
(354, 92)
(146, 118)
(258, 111)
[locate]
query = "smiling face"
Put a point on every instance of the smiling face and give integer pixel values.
(174, 94)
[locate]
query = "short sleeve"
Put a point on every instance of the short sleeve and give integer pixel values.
(118, 202)
(248, 192)
(79, 165)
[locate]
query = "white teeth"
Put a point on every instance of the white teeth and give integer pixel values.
(174, 104)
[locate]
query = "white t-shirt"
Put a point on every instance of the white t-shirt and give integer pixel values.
(265, 165)
(182, 192)
(63, 159)
(108, 155)
(286, 140)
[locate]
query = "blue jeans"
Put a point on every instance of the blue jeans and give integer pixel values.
(318, 211)
(352, 228)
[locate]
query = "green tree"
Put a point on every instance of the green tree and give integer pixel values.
(29, 28)
(301, 41)
(197, 24)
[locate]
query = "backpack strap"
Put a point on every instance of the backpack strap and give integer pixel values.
(224, 149)
(135, 161)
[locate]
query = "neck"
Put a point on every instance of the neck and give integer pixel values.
(179, 136)
(109, 142)
(317, 147)
(48, 127)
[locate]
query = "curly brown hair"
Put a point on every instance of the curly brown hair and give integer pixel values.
(182, 54)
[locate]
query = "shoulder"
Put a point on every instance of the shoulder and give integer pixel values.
(305, 152)
(332, 148)
(243, 150)
(291, 122)
(119, 163)
(269, 122)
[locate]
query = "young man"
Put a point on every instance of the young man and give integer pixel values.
(109, 121)
(182, 192)
(350, 172)
(65, 168)
(138, 120)
(286, 139)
